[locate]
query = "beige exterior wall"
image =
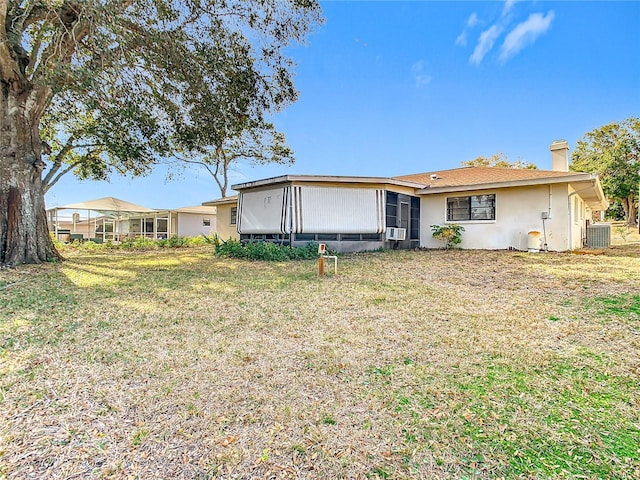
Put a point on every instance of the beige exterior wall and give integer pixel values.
(224, 228)
(518, 212)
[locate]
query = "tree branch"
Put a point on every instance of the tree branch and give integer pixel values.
(51, 183)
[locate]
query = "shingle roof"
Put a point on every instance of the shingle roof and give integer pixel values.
(471, 176)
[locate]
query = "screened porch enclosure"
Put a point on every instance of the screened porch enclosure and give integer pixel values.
(110, 220)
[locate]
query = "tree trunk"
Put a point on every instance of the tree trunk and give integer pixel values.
(24, 233)
(629, 210)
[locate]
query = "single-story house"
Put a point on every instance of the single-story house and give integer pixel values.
(227, 214)
(499, 208)
(110, 218)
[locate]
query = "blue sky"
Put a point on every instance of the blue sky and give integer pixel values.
(392, 88)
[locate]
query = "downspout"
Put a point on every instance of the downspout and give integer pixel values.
(548, 216)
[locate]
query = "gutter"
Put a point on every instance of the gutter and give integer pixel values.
(512, 183)
(324, 178)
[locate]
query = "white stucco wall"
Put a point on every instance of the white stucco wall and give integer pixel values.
(518, 211)
(190, 224)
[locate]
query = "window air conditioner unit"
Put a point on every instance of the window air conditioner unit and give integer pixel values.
(394, 233)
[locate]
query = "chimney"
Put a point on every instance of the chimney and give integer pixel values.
(559, 156)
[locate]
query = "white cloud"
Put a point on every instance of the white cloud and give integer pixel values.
(418, 66)
(508, 5)
(421, 78)
(485, 43)
(525, 34)
(462, 39)
(472, 21)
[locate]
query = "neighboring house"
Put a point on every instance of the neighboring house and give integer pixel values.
(114, 219)
(498, 208)
(227, 214)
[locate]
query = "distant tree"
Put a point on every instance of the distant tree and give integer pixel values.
(613, 152)
(218, 136)
(258, 144)
(499, 160)
(102, 85)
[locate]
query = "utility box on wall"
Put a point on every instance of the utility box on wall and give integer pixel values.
(598, 235)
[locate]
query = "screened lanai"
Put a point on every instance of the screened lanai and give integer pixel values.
(112, 219)
(105, 219)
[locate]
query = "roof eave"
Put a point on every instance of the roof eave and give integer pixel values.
(507, 184)
(221, 201)
(324, 179)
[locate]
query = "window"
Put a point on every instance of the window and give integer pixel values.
(414, 231)
(234, 215)
(392, 209)
(305, 237)
(477, 207)
(327, 237)
(206, 222)
(371, 236)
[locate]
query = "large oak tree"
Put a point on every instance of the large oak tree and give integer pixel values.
(613, 152)
(118, 84)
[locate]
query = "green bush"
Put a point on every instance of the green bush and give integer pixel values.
(57, 243)
(265, 251)
(173, 242)
(450, 235)
(139, 243)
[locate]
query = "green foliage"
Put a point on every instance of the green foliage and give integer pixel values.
(213, 240)
(56, 243)
(498, 160)
(138, 243)
(137, 82)
(613, 152)
(266, 251)
(450, 235)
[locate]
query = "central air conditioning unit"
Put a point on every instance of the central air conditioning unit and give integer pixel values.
(394, 233)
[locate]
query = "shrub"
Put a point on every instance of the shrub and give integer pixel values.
(139, 243)
(450, 235)
(57, 243)
(265, 251)
(173, 242)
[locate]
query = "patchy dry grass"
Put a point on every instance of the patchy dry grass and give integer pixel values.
(432, 364)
